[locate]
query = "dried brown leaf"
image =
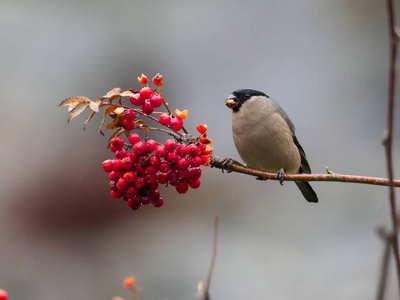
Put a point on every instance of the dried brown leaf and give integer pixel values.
(127, 93)
(74, 102)
(76, 112)
(116, 132)
(142, 125)
(95, 105)
(107, 111)
(116, 123)
(114, 93)
(91, 116)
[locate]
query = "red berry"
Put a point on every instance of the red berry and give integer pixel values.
(130, 115)
(134, 138)
(164, 119)
(133, 203)
(157, 80)
(137, 100)
(164, 167)
(116, 165)
(206, 159)
(160, 151)
(134, 157)
(192, 150)
(147, 108)
(156, 100)
(129, 177)
(146, 92)
(176, 124)
(181, 150)
(158, 203)
(183, 163)
(170, 145)
(145, 200)
(201, 128)
(138, 148)
(3, 295)
(153, 187)
(172, 177)
(121, 153)
(118, 143)
(127, 163)
(140, 183)
(150, 146)
(144, 159)
(122, 184)
(196, 161)
(114, 176)
(182, 188)
(154, 160)
(150, 178)
(107, 165)
(128, 125)
(116, 194)
(195, 173)
(140, 168)
(143, 79)
(151, 170)
(194, 184)
(130, 192)
(162, 178)
(172, 157)
(112, 148)
(184, 174)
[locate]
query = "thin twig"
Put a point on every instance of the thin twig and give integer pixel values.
(236, 167)
(387, 238)
(214, 255)
(388, 138)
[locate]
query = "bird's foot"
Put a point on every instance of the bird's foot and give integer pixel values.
(227, 163)
(280, 175)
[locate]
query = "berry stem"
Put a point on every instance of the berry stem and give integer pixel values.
(176, 135)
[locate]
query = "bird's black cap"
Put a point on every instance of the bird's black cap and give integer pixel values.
(238, 97)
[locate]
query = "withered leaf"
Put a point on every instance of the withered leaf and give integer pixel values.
(107, 111)
(116, 123)
(91, 116)
(114, 93)
(127, 93)
(142, 125)
(117, 132)
(74, 102)
(95, 105)
(76, 112)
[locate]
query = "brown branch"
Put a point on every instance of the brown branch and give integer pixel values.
(229, 166)
(388, 135)
(214, 255)
(387, 238)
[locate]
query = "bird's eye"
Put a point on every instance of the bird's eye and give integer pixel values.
(247, 96)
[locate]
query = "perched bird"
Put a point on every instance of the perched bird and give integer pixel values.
(265, 137)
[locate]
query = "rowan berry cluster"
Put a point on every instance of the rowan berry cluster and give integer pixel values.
(141, 165)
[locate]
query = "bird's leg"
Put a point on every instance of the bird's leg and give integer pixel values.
(280, 175)
(227, 162)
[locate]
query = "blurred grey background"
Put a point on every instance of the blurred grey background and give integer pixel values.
(63, 237)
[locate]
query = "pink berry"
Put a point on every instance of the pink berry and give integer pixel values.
(172, 157)
(128, 125)
(118, 143)
(107, 165)
(146, 92)
(138, 148)
(164, 167)
(147, 108)
(156, 100)
(192, 150)
(154, 160)
(182, 188)
(116, 194)
(129, 177)
(121, 153)
(137, 100)
(196, 161)
(181, 150)
(134, 138)
(176, 124)
(194, 184)
(160, 151)
(133, 203)
(150, 146)
(162, 178)
(139, 183)
(170, 145)
(164, 119)
(127, 163)
(183, 163)
(116, 165)
(130, 115)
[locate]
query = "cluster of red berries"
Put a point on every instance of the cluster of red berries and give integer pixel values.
(140, 166)
(135, 176)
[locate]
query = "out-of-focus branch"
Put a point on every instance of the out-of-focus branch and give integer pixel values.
(211, 268)
(232, 166)
(387, 238)
(388, 134)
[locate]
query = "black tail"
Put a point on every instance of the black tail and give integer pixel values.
(307, 191)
